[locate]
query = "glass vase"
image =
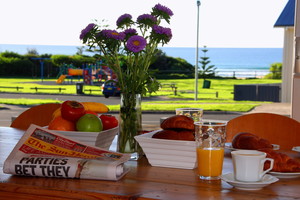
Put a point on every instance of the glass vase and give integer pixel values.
(130, 124)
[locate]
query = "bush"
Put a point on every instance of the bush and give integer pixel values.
(59, 60)
(9, 54)
(78, 60)
(12, 66)
(165, 67)
(276, 71)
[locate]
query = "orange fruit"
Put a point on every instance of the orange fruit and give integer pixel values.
(61, 124)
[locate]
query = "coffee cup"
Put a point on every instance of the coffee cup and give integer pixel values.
(248, 165)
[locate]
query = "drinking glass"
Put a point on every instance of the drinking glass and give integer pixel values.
(210, 140)
(194, 113)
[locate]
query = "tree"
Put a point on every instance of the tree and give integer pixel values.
(80, 50)
(32, 51)
(206, 70)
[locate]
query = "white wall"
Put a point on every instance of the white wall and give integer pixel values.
(296, 68)
(287, 65)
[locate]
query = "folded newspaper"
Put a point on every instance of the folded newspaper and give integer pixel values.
(41, 152)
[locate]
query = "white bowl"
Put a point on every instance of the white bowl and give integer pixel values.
(168, 153)
(101, 139)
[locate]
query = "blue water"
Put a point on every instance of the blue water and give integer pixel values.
(240, 62)
(244, 62)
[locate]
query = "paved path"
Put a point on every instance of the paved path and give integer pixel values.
(278, 108)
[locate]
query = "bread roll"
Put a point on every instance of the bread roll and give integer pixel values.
(178, 122)
(250, 141)
(282, 162)
(175, 135)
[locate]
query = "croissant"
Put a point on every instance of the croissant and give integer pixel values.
(178, 122)
(250, 141)
(175, 135)
(282, 162)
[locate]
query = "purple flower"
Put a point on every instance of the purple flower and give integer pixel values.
(130, 31)
(104, 33)
(124, 20)
(146, 19)
(162, 31)
(164, 9)
(136, 43)
(86, 30)
(112, 34)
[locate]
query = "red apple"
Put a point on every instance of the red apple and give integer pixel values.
(109, 121)
(72, 110)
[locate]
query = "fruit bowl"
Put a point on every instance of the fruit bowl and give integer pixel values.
(168, 153)
(101, 139)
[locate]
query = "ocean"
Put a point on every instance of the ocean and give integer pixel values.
(238, 62)
(241, 62)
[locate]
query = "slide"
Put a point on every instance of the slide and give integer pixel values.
(61, 79)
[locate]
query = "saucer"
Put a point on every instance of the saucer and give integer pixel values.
(285, 174)
(228, 145)
(266, 180)
(296, 149)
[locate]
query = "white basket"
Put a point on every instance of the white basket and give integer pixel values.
(101, 139)
(168, 153)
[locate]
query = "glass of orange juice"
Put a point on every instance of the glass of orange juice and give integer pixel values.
(210, 139)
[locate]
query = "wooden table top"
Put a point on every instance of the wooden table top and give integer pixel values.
(142, 182)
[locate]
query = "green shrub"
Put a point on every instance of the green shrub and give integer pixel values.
(170, 67)
(13, 66)
(9, 54)
(59, 60)
(276, 71)
(77, 60)
(80, 60)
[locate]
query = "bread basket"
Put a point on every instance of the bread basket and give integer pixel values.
(168, 153)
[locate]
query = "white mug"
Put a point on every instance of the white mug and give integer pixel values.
(248, 165)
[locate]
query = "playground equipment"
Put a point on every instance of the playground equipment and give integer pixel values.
(91, 74)
(42, 66)
(61, 79)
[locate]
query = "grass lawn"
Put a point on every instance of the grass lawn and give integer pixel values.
(219, 97)
(146, 106)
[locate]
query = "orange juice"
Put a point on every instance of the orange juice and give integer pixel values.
(210, 161)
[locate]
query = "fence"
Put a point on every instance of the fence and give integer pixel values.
(243, 74)
(225, 73)
(257, 92)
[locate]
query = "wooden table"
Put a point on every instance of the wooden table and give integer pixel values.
(142, 182)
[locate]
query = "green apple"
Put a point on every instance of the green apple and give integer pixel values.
(89, 123)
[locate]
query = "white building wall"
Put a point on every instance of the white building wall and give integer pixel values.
(287, 65)
(296, 67)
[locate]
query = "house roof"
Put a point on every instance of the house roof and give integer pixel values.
(287, 16)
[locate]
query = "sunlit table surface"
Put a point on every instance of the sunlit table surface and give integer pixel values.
(142, 182)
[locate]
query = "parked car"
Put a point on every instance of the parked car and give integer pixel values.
(109, 88)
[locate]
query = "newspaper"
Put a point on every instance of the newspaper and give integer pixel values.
(41, 152)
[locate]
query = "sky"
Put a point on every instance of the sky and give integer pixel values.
(222, 23)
